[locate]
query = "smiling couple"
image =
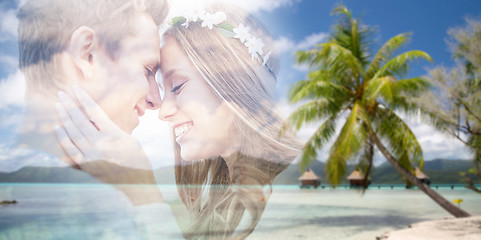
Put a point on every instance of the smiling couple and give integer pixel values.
(90, 69)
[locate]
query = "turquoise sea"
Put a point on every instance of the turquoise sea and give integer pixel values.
(98, 211)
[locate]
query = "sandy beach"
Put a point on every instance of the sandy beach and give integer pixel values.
(347, 214)
(445, 229)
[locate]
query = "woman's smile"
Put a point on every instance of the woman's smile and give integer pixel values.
(181, 129)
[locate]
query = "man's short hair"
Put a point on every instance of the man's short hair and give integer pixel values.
(45, 28)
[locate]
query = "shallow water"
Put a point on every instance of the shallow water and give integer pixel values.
(96, 211)
(348, 214)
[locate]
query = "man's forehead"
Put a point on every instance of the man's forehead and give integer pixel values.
(143, 40)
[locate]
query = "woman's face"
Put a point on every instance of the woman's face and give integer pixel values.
(201, 121)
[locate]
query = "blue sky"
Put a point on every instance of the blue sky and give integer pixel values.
(427, 20)
(295, 25)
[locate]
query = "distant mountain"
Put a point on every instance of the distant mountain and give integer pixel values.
(47, 175)
(68, 175)
(439, 170)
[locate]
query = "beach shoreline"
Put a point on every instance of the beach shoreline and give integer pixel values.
(448, 228)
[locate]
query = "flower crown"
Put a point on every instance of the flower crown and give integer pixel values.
(217, 20)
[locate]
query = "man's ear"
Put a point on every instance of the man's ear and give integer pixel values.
(83, 44)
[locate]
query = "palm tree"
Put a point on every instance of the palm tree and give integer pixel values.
(346, 82)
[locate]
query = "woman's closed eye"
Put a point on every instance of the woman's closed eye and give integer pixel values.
(177, 89)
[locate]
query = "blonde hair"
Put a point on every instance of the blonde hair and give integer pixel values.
(45, 28)
(217, 196)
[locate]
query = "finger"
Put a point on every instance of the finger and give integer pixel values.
(76, 137)
(94, 110)
(82, 122)
(75, 157)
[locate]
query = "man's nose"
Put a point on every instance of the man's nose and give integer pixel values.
(153, 99)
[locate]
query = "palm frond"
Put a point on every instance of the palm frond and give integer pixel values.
(398, 65)
(380, 87)
(386, 51)
(335, 169)
(366, 157)
(406, 94)
(403, 160)
(318, 86)
(313, 111)
(341, 9)
(405, 104)
(351, 34)
(411, 86)
(322, 136)
(309, 56)
(348, 143)
(396, 93)
(301, 90)
(401, 140)
(340, 60)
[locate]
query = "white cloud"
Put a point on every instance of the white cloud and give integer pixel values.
(12, 90)
(8, 24)
(284, 44)
(287, 45)
(436, 144)
(311, 40)
(249, 5)
(266, 5)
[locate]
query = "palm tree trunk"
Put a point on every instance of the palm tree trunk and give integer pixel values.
(447, 205)
(365, 180)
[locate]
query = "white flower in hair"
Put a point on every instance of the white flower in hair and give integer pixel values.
(198, 14)
(255, 46)
(185, 24)
(192, 14)
(242, 32)
(195, 14)
(213, 19)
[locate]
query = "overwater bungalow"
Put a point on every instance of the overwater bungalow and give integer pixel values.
(356, 179)
(422, 177)
(309, 178)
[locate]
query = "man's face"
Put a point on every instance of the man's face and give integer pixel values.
(125, 86)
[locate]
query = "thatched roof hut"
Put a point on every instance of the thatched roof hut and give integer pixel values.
(356, 175)
(421, 176)
(356, 179)
(309, 178)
